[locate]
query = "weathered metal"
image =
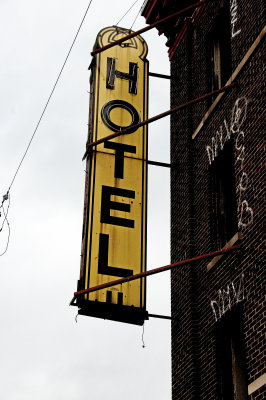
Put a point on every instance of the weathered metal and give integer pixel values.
(115, 202)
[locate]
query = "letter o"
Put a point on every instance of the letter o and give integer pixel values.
(108, 107)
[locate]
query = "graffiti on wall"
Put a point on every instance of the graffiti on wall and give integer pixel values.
(218, 141)
(228, 297)
(238, 117)
(234, 17)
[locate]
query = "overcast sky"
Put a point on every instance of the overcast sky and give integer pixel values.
(45, 354)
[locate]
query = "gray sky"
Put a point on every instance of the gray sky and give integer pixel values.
(45, 354)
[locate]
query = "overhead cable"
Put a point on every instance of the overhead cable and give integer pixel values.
(5, 221)
(135, 19)
(148, 28)
(7, 195)
(127, 13)
(50, 96)
(5, 198)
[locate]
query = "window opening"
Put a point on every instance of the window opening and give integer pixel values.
(231, 357)
(223, 196)
(220, 50)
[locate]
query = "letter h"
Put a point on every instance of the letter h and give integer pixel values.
(112, 74)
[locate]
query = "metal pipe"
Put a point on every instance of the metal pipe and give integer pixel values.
(153, 271)
(147, 28)
(159, 75)
(150, 162)
(155, 118)
(159, 316)
(159, 164)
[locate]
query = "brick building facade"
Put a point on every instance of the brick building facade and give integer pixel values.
(217, 197)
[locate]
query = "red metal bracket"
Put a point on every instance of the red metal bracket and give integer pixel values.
(155, 118)
(153, 271)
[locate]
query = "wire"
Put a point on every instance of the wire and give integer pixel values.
(135, 19)
(142, 337)
(5, 197)
(50, 96)
(127, 12)
(6, 220)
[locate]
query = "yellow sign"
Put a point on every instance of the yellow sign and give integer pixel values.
(114, 244)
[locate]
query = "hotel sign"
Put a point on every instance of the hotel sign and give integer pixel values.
(115, 212)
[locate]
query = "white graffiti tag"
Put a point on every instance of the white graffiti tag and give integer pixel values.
(218, 141)
(238, 117)
(233, 12)
(227, 298)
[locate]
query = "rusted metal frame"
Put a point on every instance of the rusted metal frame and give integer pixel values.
(155, 118)
(147, 28)
(159, 75)
(153, 271)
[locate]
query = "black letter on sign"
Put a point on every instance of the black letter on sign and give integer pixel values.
(107, 108)
(112, 73)
(108, 205)
(120, 150)
(103, 267)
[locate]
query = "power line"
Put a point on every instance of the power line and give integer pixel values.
(126, 12)
(5, 220)
(135, 19)
(49, 98)
(7, 195)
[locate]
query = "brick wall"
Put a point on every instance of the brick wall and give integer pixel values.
(195, 372)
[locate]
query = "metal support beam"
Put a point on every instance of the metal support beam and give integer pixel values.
(150, 162)
(147, 28)
(159, 164)
(153, 271)
(159, 316)
(155, 118)
(159, 75)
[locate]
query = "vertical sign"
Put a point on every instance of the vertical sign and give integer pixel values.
(115, 212)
